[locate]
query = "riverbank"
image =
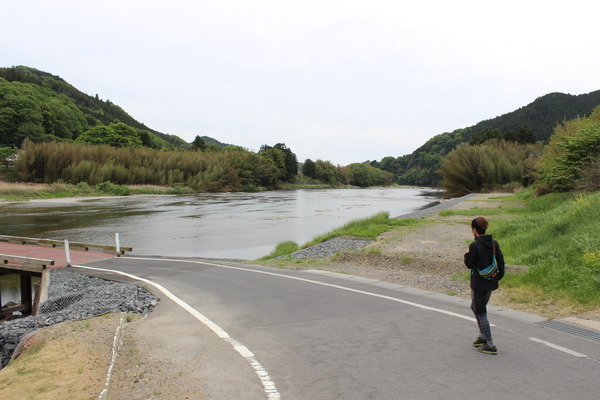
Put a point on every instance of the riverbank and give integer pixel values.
(26, 191)
(429, 256)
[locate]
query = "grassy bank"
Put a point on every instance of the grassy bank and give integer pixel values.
(364, 228)
(30, 191)
(557, 238)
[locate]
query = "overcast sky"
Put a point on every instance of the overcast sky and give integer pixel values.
(344, 81)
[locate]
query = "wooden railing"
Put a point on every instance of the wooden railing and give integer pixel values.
(26, 267)
(61, 243)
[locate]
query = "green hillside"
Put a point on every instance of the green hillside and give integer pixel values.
(540, 118)
(42, 106)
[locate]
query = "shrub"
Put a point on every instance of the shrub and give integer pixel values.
(569, 159)
(495, 165)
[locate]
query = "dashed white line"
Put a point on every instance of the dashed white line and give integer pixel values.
(559, 348)
(268, 385)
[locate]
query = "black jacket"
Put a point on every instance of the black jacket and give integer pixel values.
(480, 256)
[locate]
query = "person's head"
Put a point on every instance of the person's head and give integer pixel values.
(479, 225)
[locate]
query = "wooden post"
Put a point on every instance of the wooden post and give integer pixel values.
(43, 289)
(36, 298)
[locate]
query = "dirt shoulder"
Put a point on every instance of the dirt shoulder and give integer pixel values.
(66, 361)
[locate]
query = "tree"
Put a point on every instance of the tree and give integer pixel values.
(573, 149)
(309, 169)
(199, 144)
(291, 162)
(365, 175)
(7, 155)
(327, 172)
(493, 165)
(117, 135)
(283, 158)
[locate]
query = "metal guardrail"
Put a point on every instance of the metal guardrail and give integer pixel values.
(61, 243)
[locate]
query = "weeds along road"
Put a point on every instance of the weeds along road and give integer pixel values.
(316, 335)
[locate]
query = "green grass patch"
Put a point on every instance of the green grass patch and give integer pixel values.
(476, 211)
(24, 191)
(558, 239)
(367, 228)
(282, 249)
(523, 202)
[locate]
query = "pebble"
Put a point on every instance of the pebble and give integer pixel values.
(73, 296)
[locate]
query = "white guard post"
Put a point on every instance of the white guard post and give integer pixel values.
(68, 252)
(118, 244)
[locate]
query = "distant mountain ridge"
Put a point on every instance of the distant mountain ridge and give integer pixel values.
(43, 106)
(541, 117)
(89, 111)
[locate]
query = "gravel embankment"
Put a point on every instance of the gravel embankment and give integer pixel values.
(332, 246)
(74, 296)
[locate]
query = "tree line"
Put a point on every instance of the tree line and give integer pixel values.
(569, 162)
(499, 153)
(356, 174)
(531, 123)
(226, 170)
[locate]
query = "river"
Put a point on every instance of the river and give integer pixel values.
(216, 225)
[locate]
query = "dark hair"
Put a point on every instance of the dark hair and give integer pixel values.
(480, 224)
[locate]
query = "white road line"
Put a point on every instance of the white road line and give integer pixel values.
(559, 348)
(381, 296)
(261, 372)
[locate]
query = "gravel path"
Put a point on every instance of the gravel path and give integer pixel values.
(73, 296)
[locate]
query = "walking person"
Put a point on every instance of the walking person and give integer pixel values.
(482, 254)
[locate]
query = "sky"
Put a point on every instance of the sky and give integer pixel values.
(342, 81)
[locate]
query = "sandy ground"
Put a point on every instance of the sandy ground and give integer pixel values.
(67, 361)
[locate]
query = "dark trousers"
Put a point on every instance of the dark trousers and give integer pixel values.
(479, 301)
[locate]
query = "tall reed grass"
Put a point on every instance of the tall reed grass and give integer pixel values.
(95, 164)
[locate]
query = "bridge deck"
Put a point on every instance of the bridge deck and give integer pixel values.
(57, 254)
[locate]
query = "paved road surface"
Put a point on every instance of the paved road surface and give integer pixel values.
(317, 335)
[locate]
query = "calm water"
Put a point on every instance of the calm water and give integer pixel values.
(224, 225)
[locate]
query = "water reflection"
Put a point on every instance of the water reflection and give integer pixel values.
(10, 288)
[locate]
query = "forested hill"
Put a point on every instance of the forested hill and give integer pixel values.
(537, 120)
(43, 106)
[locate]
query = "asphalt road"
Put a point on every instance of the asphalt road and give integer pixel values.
(316, 335)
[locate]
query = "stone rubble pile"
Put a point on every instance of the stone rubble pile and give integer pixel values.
(73, 296)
